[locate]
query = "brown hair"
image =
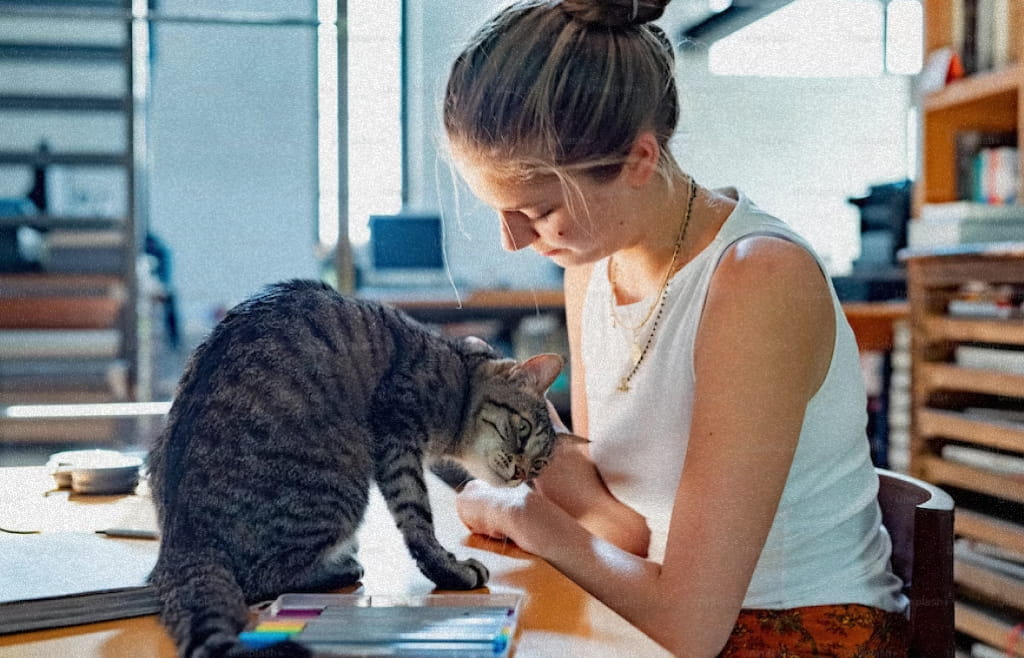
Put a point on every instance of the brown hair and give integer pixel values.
(564, 86)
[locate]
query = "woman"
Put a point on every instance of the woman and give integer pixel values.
(726, 501)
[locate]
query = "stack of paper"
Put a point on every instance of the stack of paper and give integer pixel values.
(965, 222)
(66, 578)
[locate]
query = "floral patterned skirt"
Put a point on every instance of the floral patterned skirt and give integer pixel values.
(823, 631)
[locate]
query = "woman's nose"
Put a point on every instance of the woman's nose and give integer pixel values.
(516, 233)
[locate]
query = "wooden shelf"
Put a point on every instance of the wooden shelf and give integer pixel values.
(987, 102)
(985, 625)
(995, 90)
(937, 328)
(999, 532)
(1005, 589)
(933, 423)
(943, 472)
(949, 377)
(67, 337)
(872, 322)
(989, 497)
(486, 299)
(60, 313)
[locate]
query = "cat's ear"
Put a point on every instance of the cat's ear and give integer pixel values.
(542, 370)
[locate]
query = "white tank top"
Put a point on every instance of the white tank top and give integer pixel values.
(827, 543)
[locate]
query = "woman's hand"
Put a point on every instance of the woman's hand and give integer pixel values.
(498, 512)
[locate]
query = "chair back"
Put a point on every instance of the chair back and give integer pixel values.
(919, 518)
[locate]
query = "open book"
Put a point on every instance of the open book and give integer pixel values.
(65, 578)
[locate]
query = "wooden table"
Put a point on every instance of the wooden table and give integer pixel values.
(559, 619)
(872, 323)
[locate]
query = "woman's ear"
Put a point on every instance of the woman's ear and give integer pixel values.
(643, 159)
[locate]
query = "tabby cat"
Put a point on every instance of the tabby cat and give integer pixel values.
(295, 402)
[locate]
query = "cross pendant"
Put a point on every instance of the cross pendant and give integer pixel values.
(637, 353)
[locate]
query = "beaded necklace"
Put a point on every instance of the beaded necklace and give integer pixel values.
(638, 352)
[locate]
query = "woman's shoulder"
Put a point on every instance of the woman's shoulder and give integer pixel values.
(756, 263)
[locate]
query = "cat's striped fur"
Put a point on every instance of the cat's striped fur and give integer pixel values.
(295, 402)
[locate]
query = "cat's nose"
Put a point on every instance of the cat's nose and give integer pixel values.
(519, 474)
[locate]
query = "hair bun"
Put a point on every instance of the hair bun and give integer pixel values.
(615, 13)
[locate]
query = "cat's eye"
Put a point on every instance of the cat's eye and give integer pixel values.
(523, 429)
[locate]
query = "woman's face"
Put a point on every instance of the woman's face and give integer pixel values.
(568, 228)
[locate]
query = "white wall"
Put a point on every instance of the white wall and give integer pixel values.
(799, 147)
(232, 138)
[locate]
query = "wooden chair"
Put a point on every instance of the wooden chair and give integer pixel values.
(919, 518)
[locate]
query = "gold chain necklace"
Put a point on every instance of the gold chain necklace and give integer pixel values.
(638, 352)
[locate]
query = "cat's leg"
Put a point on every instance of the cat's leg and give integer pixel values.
(400, 480)
(318, 553)
(338, 568)
(300, 570)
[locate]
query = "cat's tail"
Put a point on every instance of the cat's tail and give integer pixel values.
(204, 609)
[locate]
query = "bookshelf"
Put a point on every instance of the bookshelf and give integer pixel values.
(72, 325)
(967, 387)
(986, 101)
(967, 427)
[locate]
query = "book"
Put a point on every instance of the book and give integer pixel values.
(996, 175)
(988, 556)
(968, 143)
(968, 34)
(971, 210)
(990, 358)
(980, 650)
(984, 28)
(993, 462)
(951, 231)
(55, 579)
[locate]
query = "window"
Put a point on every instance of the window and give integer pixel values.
(825, 38)
(374, 95)
(903, 37)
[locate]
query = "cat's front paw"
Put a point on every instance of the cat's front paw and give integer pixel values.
(465, 574)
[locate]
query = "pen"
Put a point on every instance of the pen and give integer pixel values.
(129, 533)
